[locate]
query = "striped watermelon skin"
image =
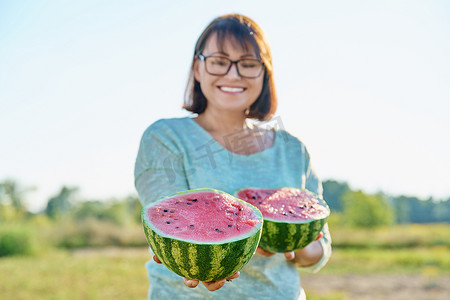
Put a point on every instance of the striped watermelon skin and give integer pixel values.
(282, 236)
(203, 261)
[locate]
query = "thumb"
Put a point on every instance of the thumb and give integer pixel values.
(289, 255)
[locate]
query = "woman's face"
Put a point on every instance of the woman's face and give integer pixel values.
(229, 92)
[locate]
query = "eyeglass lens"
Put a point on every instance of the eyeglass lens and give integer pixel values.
(221, 65)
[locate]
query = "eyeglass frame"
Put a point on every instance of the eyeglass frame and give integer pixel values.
(203, 58)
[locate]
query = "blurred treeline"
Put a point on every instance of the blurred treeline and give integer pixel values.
(368, 210)
(70, 222)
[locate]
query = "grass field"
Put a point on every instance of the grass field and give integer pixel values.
(401, 262)
(97, 274)
(118, 273)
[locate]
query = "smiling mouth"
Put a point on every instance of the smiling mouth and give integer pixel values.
(231, 89)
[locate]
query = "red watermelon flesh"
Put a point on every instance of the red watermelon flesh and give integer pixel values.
(293, 218)
(285, 204)
(202, 217)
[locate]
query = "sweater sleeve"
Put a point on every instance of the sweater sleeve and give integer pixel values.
(314, 184)
(159, 169)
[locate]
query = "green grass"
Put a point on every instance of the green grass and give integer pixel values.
(389, 261)
(391, 237)
(61, 275)
(100, 273)
(120, 273)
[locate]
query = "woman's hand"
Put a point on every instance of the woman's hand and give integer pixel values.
(290, 255)
(305, 257)
(211, 285)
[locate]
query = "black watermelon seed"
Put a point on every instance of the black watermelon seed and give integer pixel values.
(177, 227)
(195, 200)
(254, 197)
(259, 202)
(166, 210)
(236, 214)
(217, 229)
(168, 222)
(240, 209)
(188, 203)
(230, 225)
(191, 225)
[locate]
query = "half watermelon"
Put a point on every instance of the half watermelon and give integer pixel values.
(293, 218)
(202, 234)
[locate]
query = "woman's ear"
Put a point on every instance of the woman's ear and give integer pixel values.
(196, 68)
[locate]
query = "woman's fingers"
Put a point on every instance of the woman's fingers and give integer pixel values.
(156, 259)
(264, 252)
(236, 275)
(191, 283)
(289, 255)
(214, 285)
(211, 285)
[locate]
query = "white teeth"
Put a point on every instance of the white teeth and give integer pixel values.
(230, 89)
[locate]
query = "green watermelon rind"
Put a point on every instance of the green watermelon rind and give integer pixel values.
(283, 236)
(200, 260)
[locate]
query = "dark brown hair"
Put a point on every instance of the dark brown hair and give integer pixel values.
(246, 32)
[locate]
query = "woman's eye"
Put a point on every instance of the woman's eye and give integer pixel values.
(219, 62)
(250, 64)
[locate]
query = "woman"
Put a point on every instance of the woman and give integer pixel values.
(230, 82)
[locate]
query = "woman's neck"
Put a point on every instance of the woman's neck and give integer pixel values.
(221, 123)
(232, 132)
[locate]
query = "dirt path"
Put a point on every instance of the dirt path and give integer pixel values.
(380, 287)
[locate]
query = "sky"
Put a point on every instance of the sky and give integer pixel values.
(364, 84)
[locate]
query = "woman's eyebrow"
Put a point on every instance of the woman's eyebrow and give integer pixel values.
(226, 54)
(219, 52)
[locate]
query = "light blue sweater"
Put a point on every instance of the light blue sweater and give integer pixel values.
(177, 155)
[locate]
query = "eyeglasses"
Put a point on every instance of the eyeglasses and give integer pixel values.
(218, 65)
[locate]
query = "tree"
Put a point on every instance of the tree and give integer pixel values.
(402, 208)
(61, 203)
(332, 193)
(441, 211)
(118, 211)
(12, 199)
(364, 210)
(421, 210)
(134, 208)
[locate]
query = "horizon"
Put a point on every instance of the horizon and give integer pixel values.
(77, 199)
